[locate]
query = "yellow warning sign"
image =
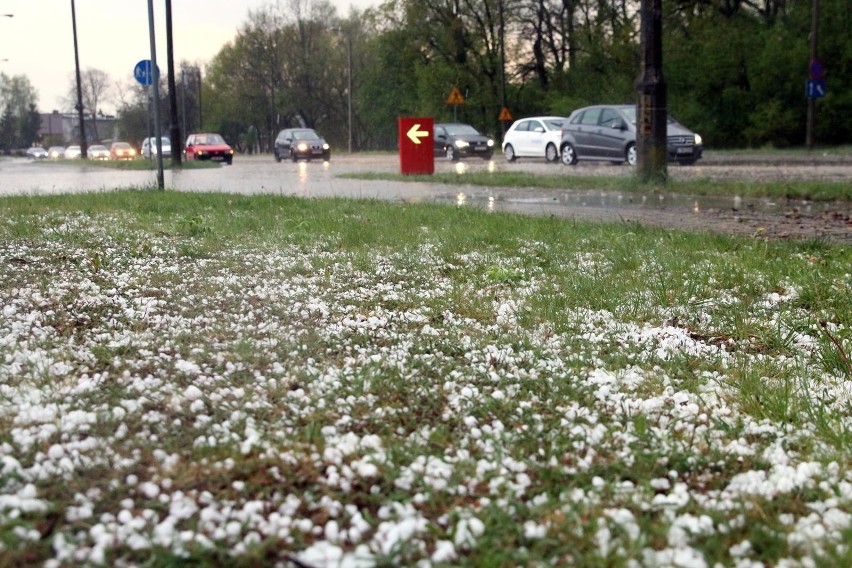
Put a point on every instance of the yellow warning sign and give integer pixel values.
(505, 115)
(456, 97)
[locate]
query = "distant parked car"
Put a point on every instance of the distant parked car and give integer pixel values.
(304, 143)
(534, 137)
(608, 132)
(455, 141)
(36, 153)
(122, 151)
(148, 148)
(98, 152)
(208, 147)
(72, 152)
(56, 152)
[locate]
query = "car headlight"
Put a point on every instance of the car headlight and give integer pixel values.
(462, 144)
(325, 146)
(698, 140)
(490, 143)
(302, 147)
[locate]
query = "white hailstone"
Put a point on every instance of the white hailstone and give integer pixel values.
(331, 531)
(197, 406)
(192, 392)
(233, 529)
(534, 531)
(467, 530)
(498, 395)
(149, 490)
(445, 552)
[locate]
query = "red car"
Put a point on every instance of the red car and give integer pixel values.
(208, 147)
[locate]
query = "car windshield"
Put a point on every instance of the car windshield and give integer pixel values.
(121, 145)
(98, 148)
(210, 139)
(461, 129)
(305, 135)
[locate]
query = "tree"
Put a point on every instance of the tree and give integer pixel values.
(95, 86)
(21, 120)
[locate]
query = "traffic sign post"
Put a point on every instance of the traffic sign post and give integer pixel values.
(815, 88)
(143, 72)
(456, 99)
(416, 145)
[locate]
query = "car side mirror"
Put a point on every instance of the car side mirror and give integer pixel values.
(539, 129)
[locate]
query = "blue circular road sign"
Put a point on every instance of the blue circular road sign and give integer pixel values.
(143, 72)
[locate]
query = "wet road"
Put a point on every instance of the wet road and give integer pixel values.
(766, 217)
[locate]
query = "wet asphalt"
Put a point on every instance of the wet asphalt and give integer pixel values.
(316, 179)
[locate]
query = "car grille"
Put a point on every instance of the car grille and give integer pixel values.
(680, 141)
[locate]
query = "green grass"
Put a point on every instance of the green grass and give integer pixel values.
(532, 390)
(813, 190)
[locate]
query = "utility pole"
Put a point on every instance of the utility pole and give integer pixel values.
(174, 127)
(811, 118)
(156, 83)
(651, 113)
(79, 107)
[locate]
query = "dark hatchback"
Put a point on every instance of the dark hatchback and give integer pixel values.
(608, 132)
(300, 143)
(455, 141)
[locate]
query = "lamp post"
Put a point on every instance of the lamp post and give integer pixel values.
(348, 34)
(79, 107)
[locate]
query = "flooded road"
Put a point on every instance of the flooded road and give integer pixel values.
(261, 174)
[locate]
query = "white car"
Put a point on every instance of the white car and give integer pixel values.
(148, 148)
(534, 137)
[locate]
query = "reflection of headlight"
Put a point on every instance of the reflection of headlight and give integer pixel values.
(490, 142)
(325, 146)
(302, 147)
(698, 139)
(462, 144)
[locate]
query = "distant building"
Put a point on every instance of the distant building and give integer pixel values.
(62, 129)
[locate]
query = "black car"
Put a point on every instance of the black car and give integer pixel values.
(462, 140)
(304, 143)
(608, 132)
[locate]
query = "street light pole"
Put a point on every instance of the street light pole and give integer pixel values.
(83, 148)
(349, 88)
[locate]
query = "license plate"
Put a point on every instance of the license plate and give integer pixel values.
(684, 150)
(218, 158)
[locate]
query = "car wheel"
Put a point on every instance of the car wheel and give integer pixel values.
(293, 156)
(509, 153)
(277, 155)
(326, 157)
(630, 154)
(550, 153)
(569, 156)
(488, 156)
(451, 153)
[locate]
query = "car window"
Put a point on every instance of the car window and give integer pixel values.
(554, 124)
(535, 124)
(439, 131)
(523, 126)
(609, 118)
(590, 116)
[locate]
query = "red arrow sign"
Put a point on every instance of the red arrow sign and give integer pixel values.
(416, 145)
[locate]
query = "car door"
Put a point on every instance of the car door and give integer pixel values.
(284, 142)
(440, 140)
(519, 137)
(609, 137)
(583, 129)
(537, 138)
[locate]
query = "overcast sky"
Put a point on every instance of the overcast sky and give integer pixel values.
(113, 35)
